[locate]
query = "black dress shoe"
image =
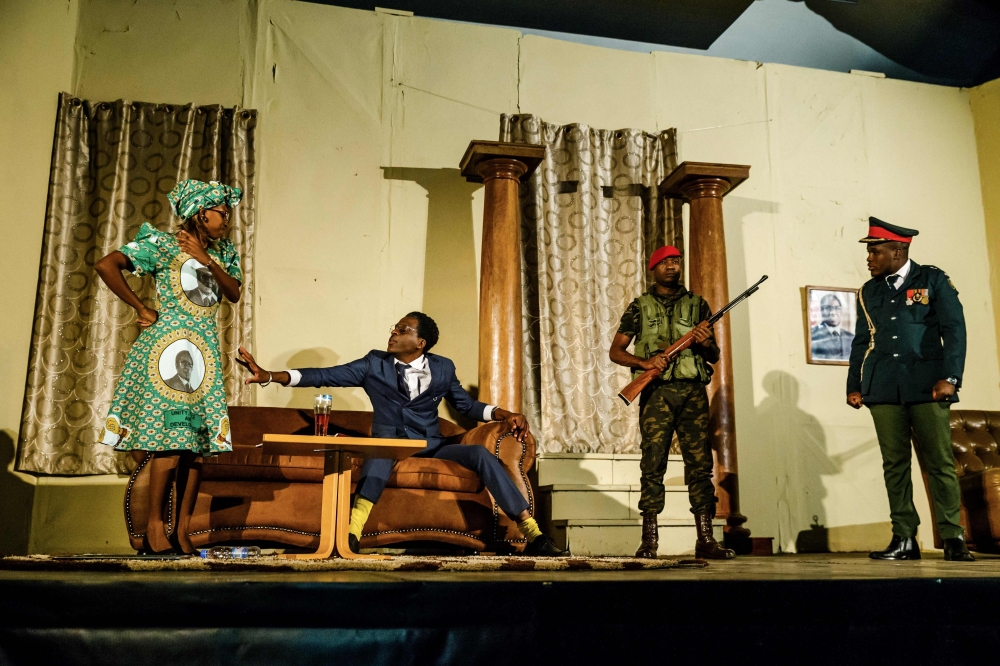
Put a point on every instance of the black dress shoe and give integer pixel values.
(900, 548)
(543, 546)
(353, 544)
(956, 551)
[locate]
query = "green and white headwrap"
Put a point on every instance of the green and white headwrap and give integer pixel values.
(190, 196)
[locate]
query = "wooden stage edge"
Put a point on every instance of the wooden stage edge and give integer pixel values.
(796, 609)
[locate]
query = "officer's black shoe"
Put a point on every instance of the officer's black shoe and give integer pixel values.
(543, 546)
(353, 544)
(956, 551)
(900, 548)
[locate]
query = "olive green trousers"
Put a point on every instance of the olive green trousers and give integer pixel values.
(929, 421)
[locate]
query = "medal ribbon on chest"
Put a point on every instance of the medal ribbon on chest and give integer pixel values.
(919, 296)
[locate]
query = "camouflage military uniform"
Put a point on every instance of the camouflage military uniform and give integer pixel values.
(679, 405)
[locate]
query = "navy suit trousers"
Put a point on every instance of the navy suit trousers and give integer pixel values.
(375, 473)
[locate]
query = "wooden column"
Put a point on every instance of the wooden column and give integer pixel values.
(703, 185)
(501, 167)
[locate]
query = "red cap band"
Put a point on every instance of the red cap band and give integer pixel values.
(663, 253)
(882, 232)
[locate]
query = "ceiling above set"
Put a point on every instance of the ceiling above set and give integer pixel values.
(953, 42)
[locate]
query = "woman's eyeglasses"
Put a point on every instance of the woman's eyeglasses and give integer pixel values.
(223, 213)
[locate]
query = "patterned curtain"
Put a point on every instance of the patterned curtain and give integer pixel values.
(113, 164)
(590, 218)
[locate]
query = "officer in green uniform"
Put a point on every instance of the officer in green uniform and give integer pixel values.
(676, 401)
(907, 359)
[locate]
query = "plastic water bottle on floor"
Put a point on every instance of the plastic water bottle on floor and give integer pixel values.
(229, 552)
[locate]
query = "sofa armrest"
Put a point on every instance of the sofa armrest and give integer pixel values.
(517, 456)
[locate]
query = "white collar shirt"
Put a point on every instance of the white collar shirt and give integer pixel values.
(418, 376)
(897, 278)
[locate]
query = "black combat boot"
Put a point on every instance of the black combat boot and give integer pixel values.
(650, 537)
(955, 550)
(900, 548)
(706, 546)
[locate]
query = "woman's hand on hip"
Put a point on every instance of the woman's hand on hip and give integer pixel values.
(146, 317)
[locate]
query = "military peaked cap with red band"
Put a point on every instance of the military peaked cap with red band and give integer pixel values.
(663, 253)
(883, 232)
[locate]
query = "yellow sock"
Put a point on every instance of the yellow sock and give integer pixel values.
(359, 516)
(529, 528)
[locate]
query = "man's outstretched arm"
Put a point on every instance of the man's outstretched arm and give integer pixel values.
(349, 374)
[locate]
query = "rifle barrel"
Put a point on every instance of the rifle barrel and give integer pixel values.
(736, 301)
(640, 382)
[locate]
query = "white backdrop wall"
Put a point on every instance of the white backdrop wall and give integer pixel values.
(364, 118)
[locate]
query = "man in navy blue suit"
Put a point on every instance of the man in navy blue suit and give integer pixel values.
(405, 385)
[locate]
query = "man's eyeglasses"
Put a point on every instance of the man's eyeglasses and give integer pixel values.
(402, 330)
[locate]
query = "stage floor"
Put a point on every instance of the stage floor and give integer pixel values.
(788, 567)
(813, 609)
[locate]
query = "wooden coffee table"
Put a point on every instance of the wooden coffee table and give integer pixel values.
(337, 452)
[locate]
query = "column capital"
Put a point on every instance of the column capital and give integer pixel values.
(695, 180)
(494, 159)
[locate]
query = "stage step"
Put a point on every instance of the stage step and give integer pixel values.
(600, 469)
(590, 503)
(608, 502)
(622, 537)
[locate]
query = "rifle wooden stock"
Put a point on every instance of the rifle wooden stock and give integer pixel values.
(632, 391)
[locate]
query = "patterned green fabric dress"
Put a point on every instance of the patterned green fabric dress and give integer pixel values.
(171, 395)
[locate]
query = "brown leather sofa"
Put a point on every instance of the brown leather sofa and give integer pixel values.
(974, 442)
(248, 497)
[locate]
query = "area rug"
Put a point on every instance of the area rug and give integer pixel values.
(399, 563)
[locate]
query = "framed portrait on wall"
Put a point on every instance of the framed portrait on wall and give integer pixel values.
(831, 314)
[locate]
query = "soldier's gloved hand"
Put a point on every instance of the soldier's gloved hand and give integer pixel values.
(942, 390)
(658, 362)
(702, 334)
(854, 400)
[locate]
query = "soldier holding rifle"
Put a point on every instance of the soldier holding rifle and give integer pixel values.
(676, 400)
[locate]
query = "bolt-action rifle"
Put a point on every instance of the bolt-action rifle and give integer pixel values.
(632, 391)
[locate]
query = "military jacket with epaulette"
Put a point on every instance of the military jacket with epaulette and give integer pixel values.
(919, 338)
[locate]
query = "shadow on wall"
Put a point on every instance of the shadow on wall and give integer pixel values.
(801, 439)
(16, 499)
(451, 295)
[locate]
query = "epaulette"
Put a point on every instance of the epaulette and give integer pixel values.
(944, 275)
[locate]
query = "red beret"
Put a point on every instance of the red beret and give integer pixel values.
(663, 253)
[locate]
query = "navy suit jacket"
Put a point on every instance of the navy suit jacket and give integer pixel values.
(396, 416)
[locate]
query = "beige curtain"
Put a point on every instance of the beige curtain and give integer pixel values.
(113, 164)
(591, 217)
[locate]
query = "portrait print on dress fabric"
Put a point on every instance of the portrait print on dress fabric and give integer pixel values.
(198, 284)
(182, 366)
(114, 432)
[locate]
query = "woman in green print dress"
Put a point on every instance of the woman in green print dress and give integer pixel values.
(171, 398)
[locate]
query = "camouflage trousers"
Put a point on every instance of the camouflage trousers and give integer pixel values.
(666, 407)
